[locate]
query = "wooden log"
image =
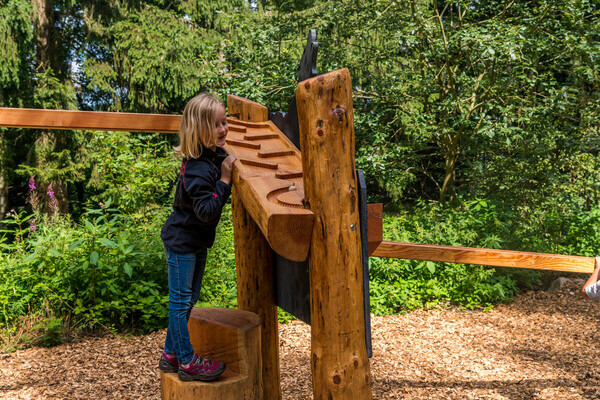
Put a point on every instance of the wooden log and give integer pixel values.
(340, 365)
(228, 335)
(88, 120)
(255, 273)
(496, 258)
(256, 290)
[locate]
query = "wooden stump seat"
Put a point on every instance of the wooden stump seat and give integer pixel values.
(228, 335)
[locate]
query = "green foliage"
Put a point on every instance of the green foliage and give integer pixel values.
(125, 167)
(106, 272)
(261, 63)
(219, 286)
(399, 285)
(16, 33)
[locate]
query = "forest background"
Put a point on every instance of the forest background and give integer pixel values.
(475, 126)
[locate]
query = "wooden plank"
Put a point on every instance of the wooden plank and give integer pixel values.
(275, 153)
(289, 174)
(243, 143)
(249, 124)
(88, 120)
(256, 163)
(261, 136)
(339, 359)
(236, 128)
(374, 226)
(495, 258)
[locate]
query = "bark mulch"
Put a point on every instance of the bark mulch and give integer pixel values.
(542, 346)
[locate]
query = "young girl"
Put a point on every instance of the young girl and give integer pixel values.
(202, 190)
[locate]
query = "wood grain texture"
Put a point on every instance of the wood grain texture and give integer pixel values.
(496, 258)
(88, 120)
(340, 364)
(261, 175)
(254, 266)
(374, 226)
(256, 290)
(228, 335)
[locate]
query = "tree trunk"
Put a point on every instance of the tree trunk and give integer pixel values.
(447, 190)
(44, 33)
(3, 178)
(340, 364)
(46, 43)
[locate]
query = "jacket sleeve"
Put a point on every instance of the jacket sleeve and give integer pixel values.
(208, 195)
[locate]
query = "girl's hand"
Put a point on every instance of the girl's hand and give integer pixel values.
(226, 168)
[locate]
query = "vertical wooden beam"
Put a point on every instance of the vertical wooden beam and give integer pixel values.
(255, 271)
(340, 364)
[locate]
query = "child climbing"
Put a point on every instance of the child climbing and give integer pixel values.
(203, 188)
(591, 289)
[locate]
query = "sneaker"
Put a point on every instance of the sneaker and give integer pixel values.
(201, 369)
(168, 363)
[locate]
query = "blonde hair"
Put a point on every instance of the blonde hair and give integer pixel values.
(198, 125)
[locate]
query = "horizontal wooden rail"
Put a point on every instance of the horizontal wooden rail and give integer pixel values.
(88, 120)
(495, 258)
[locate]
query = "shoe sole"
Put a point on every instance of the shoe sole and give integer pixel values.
(184, 376)
(164, 366)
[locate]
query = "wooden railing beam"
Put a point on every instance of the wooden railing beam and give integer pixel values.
(491, 257)
(88, 120)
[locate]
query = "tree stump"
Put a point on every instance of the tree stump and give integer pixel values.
(228, 335)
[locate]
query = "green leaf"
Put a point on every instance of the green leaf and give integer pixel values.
(75, 245)
(54, 252)
(94, 257)
(128, 270)
(30, 258)
(430, 266)
(89, 225)
(108, 242)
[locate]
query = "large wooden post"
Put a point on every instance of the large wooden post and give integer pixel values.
(340, 364)
(254, 265)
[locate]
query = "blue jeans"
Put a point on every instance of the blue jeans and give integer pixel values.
(185, 281)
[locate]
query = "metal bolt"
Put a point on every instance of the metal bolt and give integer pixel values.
(353, 227)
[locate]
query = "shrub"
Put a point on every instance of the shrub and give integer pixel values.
(107, 271)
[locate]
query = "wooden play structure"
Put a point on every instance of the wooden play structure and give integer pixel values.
(304, 206)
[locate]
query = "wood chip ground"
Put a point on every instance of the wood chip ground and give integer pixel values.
(542, 346)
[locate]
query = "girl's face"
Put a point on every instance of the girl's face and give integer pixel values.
(222, 128)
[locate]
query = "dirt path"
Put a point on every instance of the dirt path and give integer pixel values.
(543, 346)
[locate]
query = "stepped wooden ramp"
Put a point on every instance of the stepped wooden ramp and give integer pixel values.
(268, 175)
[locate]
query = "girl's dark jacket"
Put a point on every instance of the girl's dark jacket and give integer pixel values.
(199, 200)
